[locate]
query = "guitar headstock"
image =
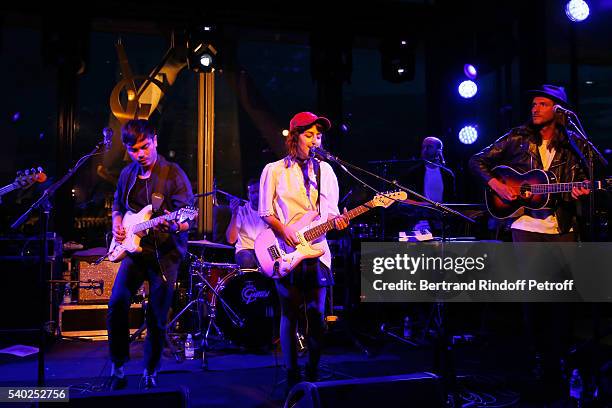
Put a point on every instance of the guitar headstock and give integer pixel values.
(25, 178)
(187, 213)
(388, 198)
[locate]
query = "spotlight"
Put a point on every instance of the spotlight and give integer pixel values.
(285, 132)
(202, 54)
(577, 10)
(467, 89)
(468, 134)
(202, 58)
(470, 71)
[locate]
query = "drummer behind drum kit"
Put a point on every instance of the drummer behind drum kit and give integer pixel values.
(239, 305)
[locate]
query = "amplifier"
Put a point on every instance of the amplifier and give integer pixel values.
(89, 321)
(102, 277)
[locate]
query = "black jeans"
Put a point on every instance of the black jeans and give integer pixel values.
(547, 324)
(134, 270)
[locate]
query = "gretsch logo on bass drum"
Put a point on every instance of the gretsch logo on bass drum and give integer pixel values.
(250, 293)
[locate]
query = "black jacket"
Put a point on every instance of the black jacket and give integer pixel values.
(177, 194)
(519, 150)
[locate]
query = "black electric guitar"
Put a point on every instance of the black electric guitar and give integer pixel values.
(24, 180)
(534, 189)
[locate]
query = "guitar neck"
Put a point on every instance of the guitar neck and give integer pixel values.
(7, 189)
(322, 229)
(560, 187)
(153, 222)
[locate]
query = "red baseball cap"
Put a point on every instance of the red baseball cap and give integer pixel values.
(304, 119)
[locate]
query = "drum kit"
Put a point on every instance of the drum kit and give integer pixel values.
(229, 303)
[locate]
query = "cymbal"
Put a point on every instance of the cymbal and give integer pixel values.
(209, 244)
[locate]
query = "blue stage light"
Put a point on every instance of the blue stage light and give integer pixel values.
(468, 134)
(468, 89)
(470, 71)
(577, 10)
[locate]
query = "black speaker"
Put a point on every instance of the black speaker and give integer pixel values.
(422, 390)
(161, 397)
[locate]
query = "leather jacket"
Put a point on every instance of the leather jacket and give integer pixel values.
(519, 150)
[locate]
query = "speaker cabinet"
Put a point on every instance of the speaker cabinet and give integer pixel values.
(89, 321)
(422, 390)
(101, 279)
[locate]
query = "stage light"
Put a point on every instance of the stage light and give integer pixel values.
(206, 60)
(202, 54)
(577, 10)
(470, 71)
(467, 89)
(285, 132)
(202, 58)
(468, 134)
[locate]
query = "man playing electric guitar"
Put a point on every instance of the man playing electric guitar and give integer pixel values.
(163, 248)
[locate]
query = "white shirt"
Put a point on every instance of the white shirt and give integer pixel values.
(249, 225)
(282, 193)
(549, 224)
(433, 184)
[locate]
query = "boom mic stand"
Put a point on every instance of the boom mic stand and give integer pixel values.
(588, 162)
(44, 205)
(443, 356)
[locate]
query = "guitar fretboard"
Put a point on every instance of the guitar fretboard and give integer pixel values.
(556, 187)
(153, 222)
(8, 189)
(322, 229)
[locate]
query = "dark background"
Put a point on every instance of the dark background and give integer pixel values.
(274, 60)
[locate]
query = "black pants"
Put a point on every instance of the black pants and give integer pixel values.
(134, 270)
(547, 325)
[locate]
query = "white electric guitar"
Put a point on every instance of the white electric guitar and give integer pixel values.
(277, 259)
(137, 225)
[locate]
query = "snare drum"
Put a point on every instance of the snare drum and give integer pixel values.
(253, 297)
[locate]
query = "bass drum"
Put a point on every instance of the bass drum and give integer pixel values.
(253, 297)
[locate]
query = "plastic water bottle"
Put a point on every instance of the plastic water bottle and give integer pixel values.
(407, 327)
(189, 350)
(67, 294)
(576, 388)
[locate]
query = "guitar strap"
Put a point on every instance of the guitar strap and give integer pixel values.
(317, 168)
(160, 185)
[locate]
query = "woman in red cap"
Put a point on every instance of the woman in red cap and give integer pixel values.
(289, 188)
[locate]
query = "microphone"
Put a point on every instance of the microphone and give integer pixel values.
(558, 109)
(108, 138)
(322, 153)
(441, 157)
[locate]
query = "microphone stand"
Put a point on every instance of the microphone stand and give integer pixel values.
(589, 162)
(44, 205)
(343, 165)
